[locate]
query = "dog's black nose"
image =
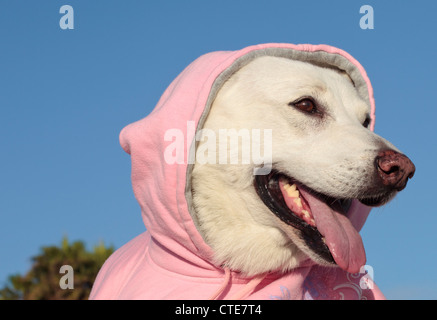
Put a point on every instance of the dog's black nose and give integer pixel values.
(394, 169)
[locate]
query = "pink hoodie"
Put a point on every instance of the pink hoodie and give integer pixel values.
(171, 260)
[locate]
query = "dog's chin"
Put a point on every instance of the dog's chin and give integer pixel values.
(379, 199)
(297, 221)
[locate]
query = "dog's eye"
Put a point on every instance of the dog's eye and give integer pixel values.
(306, 105)
(366, 122)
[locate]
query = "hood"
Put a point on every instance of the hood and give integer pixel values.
(161, 147)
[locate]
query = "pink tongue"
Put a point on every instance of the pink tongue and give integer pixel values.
(342, 239)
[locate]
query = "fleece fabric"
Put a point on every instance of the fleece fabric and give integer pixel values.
(171, 260)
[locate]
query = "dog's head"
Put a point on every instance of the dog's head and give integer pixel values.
(313, 127)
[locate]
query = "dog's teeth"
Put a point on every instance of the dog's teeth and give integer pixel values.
(289, 186)
(292, 190)
(306, 214)
(292, 187)
(298, 202)
(294, 194)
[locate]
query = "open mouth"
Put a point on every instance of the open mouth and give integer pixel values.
(321, 220)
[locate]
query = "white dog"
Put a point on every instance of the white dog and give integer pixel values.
(323, 157)
(254, 174)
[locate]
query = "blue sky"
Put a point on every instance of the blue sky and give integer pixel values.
(66, 94)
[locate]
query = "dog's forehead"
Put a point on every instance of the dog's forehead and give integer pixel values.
(294, 74)
(343, 87)
(279, 79)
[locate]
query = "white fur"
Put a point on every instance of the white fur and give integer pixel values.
(334, 155)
